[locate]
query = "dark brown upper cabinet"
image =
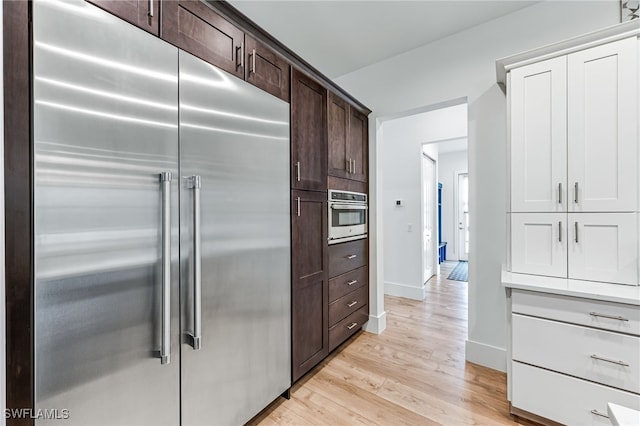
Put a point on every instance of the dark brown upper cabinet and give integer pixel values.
(310, 288)
(266, 69)
(308, 133)
(193, 26)
(348, 139)
(141, 13)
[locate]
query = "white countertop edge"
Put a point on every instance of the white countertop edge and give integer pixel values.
(586, 289)
(623, 416)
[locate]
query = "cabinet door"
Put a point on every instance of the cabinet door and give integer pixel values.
(308, 133)
(603, 126)
(195, 27)
(310, 289)
(539, 244)
(338, 124)
(357, 145)
(604, 247)
(539, 137)
(267, 70)
(142, 13)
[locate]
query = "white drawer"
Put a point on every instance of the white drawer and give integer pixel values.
(593, 313)
(583, 352)
(565, 399)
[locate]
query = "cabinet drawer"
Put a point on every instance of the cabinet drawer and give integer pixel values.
(565, 399)
(600, 356)
(347, 327)
(345, 257)
(346, 283)
(347, 304)
(598, 314)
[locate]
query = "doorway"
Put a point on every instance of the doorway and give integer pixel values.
(429, 217)
(463, 216)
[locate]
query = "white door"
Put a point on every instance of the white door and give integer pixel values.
(463, 217)
(603, 126)
(538, 96)
(603, 247)
(429, 237)
(539, 244)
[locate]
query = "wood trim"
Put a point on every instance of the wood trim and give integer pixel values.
(258, 32)
(531, 417)
(18, 207)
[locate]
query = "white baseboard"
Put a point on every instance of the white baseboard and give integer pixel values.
(486, 355)
(376, 324)
(404, 290)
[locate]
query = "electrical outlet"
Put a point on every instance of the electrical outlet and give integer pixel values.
(409, 227)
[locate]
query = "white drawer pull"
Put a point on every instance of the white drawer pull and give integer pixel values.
(352, 325)
(354, 303)
(352, 256)
(595, 314)
(598, 413)
(352, 282)
(612, 361)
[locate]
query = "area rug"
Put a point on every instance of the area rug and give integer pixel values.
(460, 272)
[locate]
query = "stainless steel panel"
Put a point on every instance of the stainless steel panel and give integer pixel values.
(236, 138)
(105, 127)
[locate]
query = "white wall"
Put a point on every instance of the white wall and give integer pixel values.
(449, 165)
(401, 150)
(454, 67)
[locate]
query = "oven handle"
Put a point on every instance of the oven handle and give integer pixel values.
(343, 207)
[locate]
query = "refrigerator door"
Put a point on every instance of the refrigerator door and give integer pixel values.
(105, 129)
(234, 139)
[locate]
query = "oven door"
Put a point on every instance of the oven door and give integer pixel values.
(347, 222)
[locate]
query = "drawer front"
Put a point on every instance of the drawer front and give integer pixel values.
(604, 315)
(565, 399)
(346, 283)
(601, 356)
(347, 327)
(345, 257)
(347, 304)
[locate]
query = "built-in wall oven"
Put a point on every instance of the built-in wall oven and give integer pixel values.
(348, 218)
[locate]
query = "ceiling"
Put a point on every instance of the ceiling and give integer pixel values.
(338, 37)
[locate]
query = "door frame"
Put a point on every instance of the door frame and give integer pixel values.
(459, 243)
(434, 220)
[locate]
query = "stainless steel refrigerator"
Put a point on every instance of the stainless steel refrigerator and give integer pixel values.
(162, 252)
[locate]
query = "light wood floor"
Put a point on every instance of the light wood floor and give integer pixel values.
(414, 373)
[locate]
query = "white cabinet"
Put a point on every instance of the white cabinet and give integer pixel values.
(604, 247)
(539, 243)
(602, 127)
(539, 137)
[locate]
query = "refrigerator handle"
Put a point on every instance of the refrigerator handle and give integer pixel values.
(165, 348)
(196, 184)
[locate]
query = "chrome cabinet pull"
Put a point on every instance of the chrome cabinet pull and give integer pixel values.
(352, 256)
(196, 185)
(598, 413)
(165, 347)
(560, 193)
(298, 171)
(253, 62)
(353, 169)
(352, 325)
(150, 9)
(352, 282)
(619, 318)
(298, 208)
(575, 193)
(560, 231)
(612, 361)
(352, 304)
(576, 230)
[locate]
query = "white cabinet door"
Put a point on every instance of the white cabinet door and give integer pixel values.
(539, 244)
(604, 247)
(603, 128)
(539, 137)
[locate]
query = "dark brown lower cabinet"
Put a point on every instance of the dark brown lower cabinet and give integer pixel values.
(310, 284)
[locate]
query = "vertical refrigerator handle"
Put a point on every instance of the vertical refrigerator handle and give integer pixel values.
(196, 184)
(165, 348)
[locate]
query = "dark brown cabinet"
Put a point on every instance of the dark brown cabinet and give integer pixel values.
(266, 69)
(348, 139)
(308, 133)
(309, 287)
(193, 26)
(141, 13)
